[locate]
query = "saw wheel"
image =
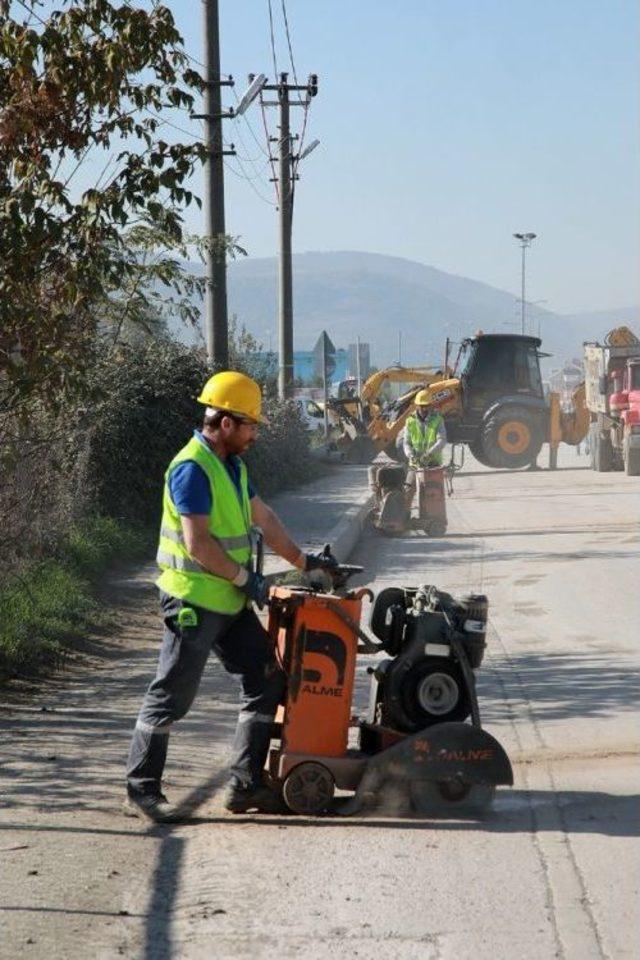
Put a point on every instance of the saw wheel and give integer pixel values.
(447, 797)
(309, 788)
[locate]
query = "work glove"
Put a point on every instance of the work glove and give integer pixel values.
(256, 588)
(324, 560)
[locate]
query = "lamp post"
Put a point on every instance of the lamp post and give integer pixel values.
(525, 240)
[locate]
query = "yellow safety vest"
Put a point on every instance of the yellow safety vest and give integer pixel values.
(421, 438)
(229, 524)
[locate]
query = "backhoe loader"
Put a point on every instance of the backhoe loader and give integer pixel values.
(493, 400)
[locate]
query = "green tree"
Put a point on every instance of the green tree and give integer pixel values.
(92, 77)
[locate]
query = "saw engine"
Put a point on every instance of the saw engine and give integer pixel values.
(423, 680)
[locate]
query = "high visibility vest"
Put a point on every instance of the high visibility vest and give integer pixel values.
(229, 524)
(422, 435)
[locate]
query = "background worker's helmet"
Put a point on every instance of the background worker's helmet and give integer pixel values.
(424, 399)
(234, 392)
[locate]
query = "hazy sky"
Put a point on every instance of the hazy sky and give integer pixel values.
(446, 125)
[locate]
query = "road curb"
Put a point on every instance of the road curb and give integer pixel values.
(344, 536)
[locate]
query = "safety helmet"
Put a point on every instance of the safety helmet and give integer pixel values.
(423, 399)
(234, 392)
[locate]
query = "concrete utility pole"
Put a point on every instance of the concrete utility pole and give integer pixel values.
(285, 221)
(525, 240)
(216, 320)
(286, 178)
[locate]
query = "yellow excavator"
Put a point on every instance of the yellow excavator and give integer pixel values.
(372, 421)
(493, 400)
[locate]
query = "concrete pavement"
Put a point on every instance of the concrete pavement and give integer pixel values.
(75, 875)
(552, 872)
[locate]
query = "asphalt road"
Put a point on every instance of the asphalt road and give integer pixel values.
(551, 872)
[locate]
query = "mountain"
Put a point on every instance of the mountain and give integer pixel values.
(378, 298)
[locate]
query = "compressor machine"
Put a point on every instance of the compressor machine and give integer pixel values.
(422, 735)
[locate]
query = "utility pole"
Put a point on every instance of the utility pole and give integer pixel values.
(285, 222)
(216, 320)
(286, 178)
(525, 240)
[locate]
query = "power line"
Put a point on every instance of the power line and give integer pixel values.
(286, 27)
(258, 172)
(169, 123)
(262, 156)
(271, 159)
(273, 42)
(251, 130)
(241, 175)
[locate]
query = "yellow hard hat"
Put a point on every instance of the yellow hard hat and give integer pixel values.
(234, 392)
(423, 398)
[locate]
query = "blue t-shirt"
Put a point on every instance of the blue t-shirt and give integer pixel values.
(190, 487)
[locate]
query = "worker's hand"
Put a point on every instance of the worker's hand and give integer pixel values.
(256, 588)
(324, 560)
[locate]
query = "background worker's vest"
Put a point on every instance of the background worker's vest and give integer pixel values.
(421, 437)
(229, 524)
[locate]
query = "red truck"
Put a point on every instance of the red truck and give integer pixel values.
(612, 396)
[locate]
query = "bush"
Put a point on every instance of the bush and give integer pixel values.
(149, 412)
(76, 483)
(107, 458)
(51, 602)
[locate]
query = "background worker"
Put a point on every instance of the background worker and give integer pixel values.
(206, 589)
(424, 439)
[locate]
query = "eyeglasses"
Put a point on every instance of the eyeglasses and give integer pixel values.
(241, 421)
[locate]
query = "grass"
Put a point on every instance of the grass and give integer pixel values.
(53, 602)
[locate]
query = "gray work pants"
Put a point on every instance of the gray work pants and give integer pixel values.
(244, 648)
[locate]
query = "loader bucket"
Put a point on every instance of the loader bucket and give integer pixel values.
(451, 763)
(362, 450)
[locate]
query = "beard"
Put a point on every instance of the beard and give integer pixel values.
(237, 446)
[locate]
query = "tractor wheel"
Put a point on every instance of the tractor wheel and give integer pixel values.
(445, 797)
(602, 453)
(309, 788)
(631, 459)
(511, 438)
(435, 528)
(477, 450)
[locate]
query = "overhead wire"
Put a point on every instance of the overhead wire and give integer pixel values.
(276, 185)
(241, 174)
(170, 123)
(273, 42)
(290, 45)
(249, 126)
(32, 13)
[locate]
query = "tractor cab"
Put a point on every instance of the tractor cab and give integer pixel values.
(498, 365)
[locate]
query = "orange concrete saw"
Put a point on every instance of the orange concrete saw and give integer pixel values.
(421, 737)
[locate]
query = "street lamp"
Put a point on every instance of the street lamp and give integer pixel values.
(525, 240)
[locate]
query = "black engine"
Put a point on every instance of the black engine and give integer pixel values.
(434, 641)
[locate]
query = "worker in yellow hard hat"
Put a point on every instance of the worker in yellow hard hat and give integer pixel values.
(207, 585)
(424, 440)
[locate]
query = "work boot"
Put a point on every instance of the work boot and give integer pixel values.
(154, 807)
(252, 799)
